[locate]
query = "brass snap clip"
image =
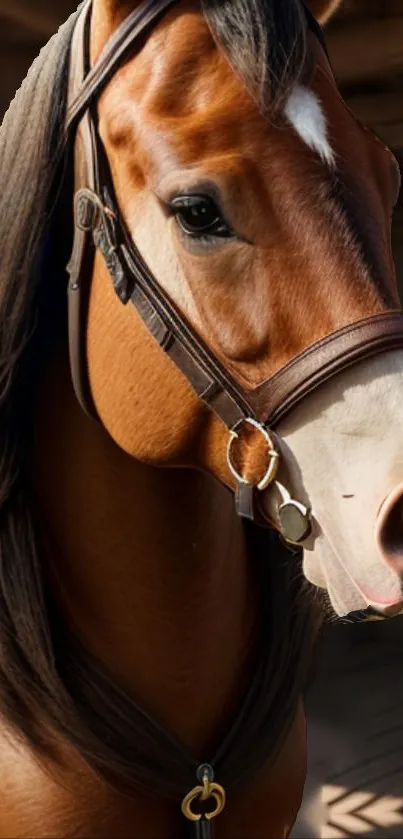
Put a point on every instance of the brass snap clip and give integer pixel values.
(203, 791)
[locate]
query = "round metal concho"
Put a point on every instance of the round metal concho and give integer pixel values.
(274, 454)
(203, 792)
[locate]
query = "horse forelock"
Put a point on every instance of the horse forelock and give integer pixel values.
(266, 43)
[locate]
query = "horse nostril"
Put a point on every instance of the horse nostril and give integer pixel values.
(389, 530)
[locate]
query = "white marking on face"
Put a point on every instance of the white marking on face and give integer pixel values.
(304, 111)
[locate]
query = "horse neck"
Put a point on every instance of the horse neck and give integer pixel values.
(148, 565)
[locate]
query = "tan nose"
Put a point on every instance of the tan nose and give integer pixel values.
(389, 530)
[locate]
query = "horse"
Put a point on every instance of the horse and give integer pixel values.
(205, 433)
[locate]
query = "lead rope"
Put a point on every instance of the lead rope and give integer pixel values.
(201, 823)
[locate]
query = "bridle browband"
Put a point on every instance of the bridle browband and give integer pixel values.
(99, 225)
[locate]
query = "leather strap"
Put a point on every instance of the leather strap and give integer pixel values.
(324, 359)
(81, 261)
(96, 224)
(115, 53)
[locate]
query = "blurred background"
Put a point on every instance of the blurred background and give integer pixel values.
(355, 707)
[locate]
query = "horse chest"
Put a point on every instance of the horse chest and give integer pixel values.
(71, 801)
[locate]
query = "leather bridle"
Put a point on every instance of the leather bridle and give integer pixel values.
(99, 224)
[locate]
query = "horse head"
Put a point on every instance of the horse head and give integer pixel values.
(262, 207)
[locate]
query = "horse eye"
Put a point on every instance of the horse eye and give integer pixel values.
(198, 215)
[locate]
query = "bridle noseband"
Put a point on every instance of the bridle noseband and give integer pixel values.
(99, 224)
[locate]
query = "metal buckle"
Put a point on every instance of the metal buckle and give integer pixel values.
(87, 209)
(274, 454)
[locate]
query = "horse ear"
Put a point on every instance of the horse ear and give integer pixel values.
(323, 9)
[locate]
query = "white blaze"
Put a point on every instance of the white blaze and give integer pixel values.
(304, 111)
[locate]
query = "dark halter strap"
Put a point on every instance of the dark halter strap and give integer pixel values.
(122, 42)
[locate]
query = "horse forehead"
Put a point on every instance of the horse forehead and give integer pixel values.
(181, 87)
(174, 71)
(203, 123)
(180, 98)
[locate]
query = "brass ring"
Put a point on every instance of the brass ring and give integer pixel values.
(208, 790)
(274, 454)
